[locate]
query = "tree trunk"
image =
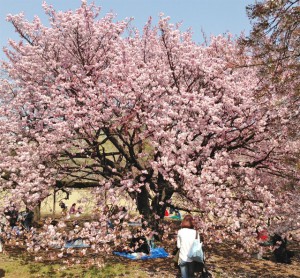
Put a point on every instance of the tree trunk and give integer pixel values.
(143, 203)
(37, 212)
(157, 206)
(54, 203)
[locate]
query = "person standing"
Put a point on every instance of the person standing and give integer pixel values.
(185, 238)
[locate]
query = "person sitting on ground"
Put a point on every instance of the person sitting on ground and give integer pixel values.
(79, 211)
(63, 207)
(73, 209)
(263, 241)
(12, 214)
(139, 243)
(281, 254)
(177, 213)
(167, 213)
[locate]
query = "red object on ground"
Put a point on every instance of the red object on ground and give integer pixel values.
(166, 213)
(263, 235)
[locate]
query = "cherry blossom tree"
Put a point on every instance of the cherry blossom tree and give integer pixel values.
(274, 45)
(152, 116)
(274, 42)
(275, 33)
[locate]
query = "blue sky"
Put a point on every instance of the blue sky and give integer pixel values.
(212, 16)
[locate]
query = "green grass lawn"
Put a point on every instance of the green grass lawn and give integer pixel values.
(16, 267)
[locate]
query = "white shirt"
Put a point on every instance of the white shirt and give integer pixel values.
(185, 239)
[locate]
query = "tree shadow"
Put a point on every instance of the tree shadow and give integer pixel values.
(228, 263)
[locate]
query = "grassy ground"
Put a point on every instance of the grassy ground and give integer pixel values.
(12, 267)
(222, 262)
(47, 205)
(75, 197)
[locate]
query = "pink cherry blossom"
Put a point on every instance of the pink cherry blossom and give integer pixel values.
(153, 118)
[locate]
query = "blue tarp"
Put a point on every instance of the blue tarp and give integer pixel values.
(155, 253)
(77, 243)
(135, 224)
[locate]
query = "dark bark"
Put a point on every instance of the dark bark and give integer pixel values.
(143, 203)
(37, 212)
(151, 207)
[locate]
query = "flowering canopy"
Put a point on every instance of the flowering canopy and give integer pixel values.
(154, 116)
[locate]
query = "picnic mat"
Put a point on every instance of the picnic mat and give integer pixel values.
(77, 243)
(155, 253)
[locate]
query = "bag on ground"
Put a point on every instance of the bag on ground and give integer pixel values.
(205, 273)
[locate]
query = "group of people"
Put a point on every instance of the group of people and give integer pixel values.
(276, 243)
(173, 213)
(186, 235)
(72, 211)
(19, 222)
